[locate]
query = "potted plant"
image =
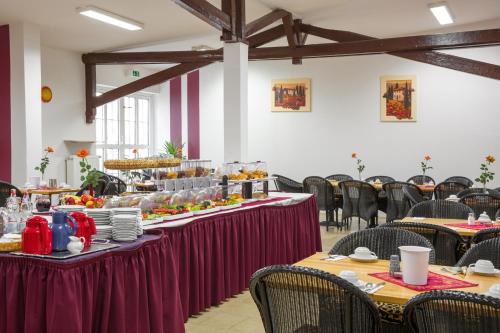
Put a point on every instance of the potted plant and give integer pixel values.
(173, 149)
(88, 175)
(486, 175)
(359, 165)
(44, 162)
(425, 164)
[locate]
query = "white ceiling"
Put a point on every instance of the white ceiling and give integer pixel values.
(62, 27)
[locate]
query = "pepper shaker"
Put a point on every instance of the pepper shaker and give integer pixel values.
(394, 264)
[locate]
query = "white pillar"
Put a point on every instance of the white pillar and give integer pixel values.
(26, 107)
(235, 102)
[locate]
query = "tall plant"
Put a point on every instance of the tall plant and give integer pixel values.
(359, 165)
(44, 162)
(173, 149)
(486, 175)
(425, 164)
(88, 175)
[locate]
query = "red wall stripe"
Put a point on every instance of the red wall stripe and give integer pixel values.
(175, 111)
(5, 148)
(193, 101)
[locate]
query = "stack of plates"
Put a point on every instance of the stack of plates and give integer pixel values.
(130, 211)
(70, 208)
(101, 216)
(124, 228)
(103, 232)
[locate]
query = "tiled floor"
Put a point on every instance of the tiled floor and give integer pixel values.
(239, 314)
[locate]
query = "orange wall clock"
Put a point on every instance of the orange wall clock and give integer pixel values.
(46, 94)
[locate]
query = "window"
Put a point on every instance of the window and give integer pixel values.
(123, 125)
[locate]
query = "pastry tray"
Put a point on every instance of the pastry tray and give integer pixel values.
(95, 247)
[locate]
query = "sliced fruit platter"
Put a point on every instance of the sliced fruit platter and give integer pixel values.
(168, 212)
(205, 207)
(83, 200)
(229, 203)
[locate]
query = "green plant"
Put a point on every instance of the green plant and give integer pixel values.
(425, 164)
(486, 175)
(359, 166)
(88, 175)
(173, 149)
(44, 162)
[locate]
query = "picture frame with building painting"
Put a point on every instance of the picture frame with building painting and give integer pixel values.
(291, 95)
(398, 101)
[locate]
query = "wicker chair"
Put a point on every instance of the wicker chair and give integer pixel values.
(447, 242)
(487, 249)
(445, 189)
(5, 192)
(485, 234)
(284, 184)
(323, 191)
(305, 300)
(452, 311)
(460, 179)
(440, 209)
(383, 241)
(413, 194)
(421, 179)
(360, 200)
(382, 195)
(108, 185)
(337, 193)
(397, 202)
(482, 202)
(474, 190)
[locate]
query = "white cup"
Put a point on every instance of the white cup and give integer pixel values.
(494, 290)
(415, 261)
(35, 181)
(350, 276)
(364, 253)
(483, 266)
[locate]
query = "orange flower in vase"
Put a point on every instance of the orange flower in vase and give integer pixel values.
(424, 165)
(135, 151)
(486, 175)
(82, 153)
(354, 155)
(490, 159)
(427, 158)
(50, 149)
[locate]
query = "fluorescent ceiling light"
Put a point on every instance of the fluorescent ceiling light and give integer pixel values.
(441, 12)
(110, 18)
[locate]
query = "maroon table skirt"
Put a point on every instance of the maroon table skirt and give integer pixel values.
(217, 255)
(129, 289)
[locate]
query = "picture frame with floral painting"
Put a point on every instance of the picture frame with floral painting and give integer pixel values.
(291, 95)
(398, 99)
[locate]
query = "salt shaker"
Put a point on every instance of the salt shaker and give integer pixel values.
(394, 264)
(471, 220)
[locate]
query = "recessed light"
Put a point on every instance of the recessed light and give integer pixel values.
(442, 12)
(110, 18)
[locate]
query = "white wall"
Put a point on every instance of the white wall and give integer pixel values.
(64, 117)
(458, 116)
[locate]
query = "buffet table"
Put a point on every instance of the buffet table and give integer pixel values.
(132, 288)
(216, 254)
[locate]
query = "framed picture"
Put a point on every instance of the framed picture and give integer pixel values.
(398, 101)
(292, 95)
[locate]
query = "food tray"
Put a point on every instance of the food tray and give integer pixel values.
(95, 247)
(177, 216)
(145, 163)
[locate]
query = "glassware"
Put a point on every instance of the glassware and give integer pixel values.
(26, 210)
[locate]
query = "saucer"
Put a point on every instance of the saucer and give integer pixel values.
(362, 259)
(494, 273)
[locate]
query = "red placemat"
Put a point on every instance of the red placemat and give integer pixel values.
(472, 227)
(434, 282)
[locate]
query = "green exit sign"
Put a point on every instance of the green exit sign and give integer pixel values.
(136, 73)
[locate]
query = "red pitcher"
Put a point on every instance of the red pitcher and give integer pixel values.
(37, 236)
(86, 227)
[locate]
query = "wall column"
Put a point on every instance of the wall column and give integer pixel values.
(26, 107)
(235, 102)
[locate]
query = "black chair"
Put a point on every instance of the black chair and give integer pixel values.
(107, 185)
(487, 250)
(446, 242)
(413, 194)
(360, 200)
(383, 179)
(5, 192)
(323, 191)
(452, 311)
(474, 190)
(337, 193)
(482, 202)
(284, 184)
(398, 203)
(460, 179)
(485, 234)
(440, 209)
(383, 241)
(305, 300)
(421, 179)
(445, 189)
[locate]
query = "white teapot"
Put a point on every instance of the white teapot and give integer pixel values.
(76, 244)
(484, 218)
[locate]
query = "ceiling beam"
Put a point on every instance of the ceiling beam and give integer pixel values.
(207, 12)
(239, 19)
(228, 8)
(266, 36)
(166, 57)
(90, 92)
(300, 39)
(265, 20)
(335, 35)
(148, 81)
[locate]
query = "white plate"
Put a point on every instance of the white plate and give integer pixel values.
(230, 206)
(356, 258)
(206, 211)
(485, 274)
(178, 216)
